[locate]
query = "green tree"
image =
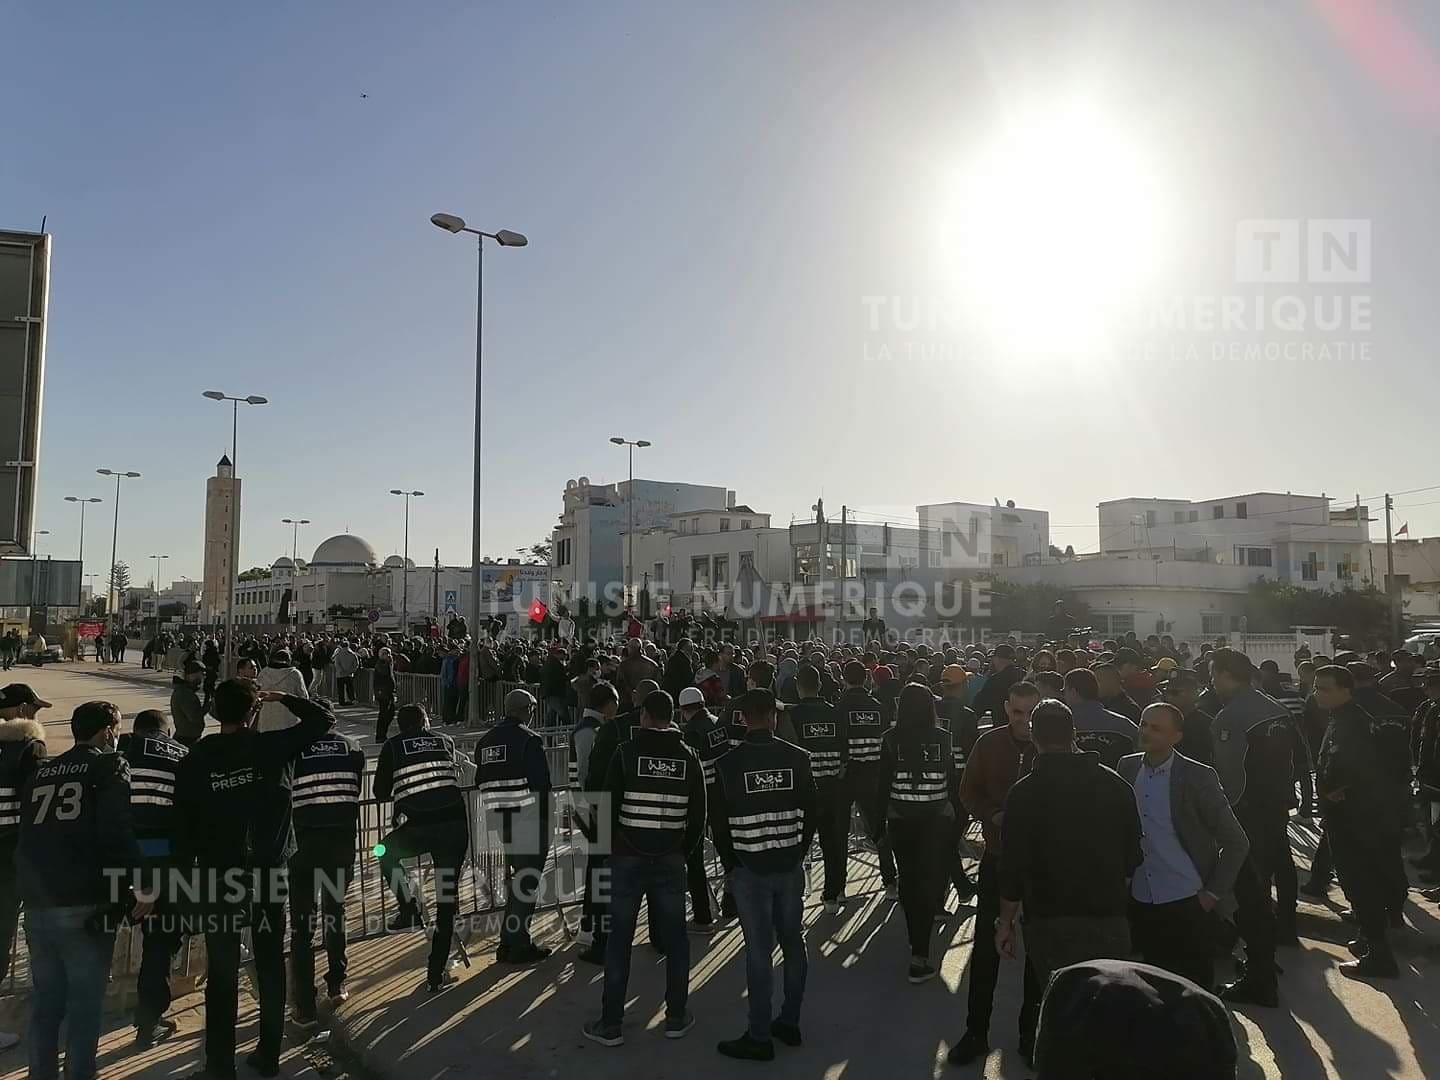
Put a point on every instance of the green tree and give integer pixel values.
(120, 576)
(1274, 607)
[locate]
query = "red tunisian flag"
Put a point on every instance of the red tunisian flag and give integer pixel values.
(538, 611)
(1404, 530)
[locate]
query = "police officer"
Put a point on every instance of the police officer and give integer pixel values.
(154, 757)
(513, 776)
(657, 802)
(1392, 742)
(1361, 819)
(708, 737)
(326, 799)
(1252, 734)
(964, 727)
(76, 854)
(22, 748)
(1097, 729)
(417, 770)
(233, 804)
(862, 716)
(820, 731)
(764, 818)
(604, 703)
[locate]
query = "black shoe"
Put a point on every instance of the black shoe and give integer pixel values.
(525, 954)
(592, 956)
(1397, 920)
(747, 1049)
(920, 971)
(789, 1034)
(970, 1048)
(1430, 894)
(443, 983)
(265, 1066)
(1371, 966)
(1358, 948)
(1286, 936)
(1245, 991)
(1315, 890)
(1349, 916)
(147, 1035)
(965, 891)
(407, 918)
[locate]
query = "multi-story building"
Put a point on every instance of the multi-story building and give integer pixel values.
(694, 561)
(1417, 574)
(589, 554)
(222, 532)
(1293, 538)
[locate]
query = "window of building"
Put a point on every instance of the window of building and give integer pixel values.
(1179, 517)
(1344, 571)
(1254, 556)
(1194, 515)
(747, 559)
(1121, 624)
(1310, 568)
(722, 571)
(659, 573)
(997, 558)
(700, 573)
(1242, 509)
(724, 524)
(1235, 622)
(1217, 512)
(744, 523)
(695, 525)
(1212, 625)
(1150, 519)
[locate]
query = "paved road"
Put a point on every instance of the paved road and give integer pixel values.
(862, 1020)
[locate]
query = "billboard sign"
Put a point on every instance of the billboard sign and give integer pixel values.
(24, 296)
(40, 582)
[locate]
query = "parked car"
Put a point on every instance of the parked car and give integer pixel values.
(49, 654)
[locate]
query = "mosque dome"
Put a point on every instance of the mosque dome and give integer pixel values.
(284, 562)
(344, 552)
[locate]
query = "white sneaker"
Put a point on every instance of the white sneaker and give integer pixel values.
(9, 1040)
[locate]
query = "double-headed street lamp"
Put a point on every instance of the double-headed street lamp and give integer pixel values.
(505, 238)
(405, 562)
(253, 399)
(294, 524)
(630, 503)
(82, 502)
(115, 537)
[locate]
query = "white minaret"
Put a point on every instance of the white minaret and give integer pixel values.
(222, 499)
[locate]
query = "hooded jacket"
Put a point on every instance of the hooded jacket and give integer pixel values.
(22, 748)
(274, 716)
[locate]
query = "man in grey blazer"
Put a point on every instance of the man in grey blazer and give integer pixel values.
(1193, 849)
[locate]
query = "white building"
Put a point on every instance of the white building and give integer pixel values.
(693, 561)
(588, 551)
(1417, 574)
(1293, 538)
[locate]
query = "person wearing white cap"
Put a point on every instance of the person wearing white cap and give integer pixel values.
(708, 737)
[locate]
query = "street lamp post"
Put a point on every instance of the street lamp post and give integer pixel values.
(82, 502)
(114, 538)
(505, 238)
(295, 524)
(35, 541)
(405, 563)
(252, 399)
(630, 503)
(157, 559)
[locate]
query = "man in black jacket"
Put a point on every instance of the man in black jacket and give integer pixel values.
(232, 796)
(764, 819)
(185, 705)
(657, 802)
(1072, 843)
(22, 748)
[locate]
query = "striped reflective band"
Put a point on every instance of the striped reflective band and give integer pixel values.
(317, 789)
(425, 776)
(864, 749)
(918, 787)
(824, 763)
(775, 829)
(511, 794)
(651, 810)
(708, 768)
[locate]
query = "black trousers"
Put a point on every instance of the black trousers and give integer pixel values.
(323, 863)
(592, 909)
(1363, 852)
(697, 884)
(162, 933)
(1175, 937)
(860, 787)
(445, 842)
(386, 700)
(834, 832)
(1254, 917)
(222, 957)
(985, 960)
(345, 689)
(921, 845)
(1322, 864)
(1279, 862)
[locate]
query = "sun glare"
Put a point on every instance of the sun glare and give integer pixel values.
(1057, 224)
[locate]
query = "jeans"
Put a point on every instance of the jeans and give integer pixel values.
(860, 788)
(593, 910)
(322, 863)
(557, 712)
(267, 938)
(9, 903)
(69, 966)
(661, 879)
(158, 946)
(921, 847)
(985, 960)
(771, 907)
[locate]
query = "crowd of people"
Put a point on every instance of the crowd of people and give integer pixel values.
(1133, 799)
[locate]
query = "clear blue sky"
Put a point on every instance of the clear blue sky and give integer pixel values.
(710, 192)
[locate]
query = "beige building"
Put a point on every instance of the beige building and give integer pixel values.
(222, 518)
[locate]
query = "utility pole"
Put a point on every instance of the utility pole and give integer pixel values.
(844, 562)
(1390, 591)
(435, 588)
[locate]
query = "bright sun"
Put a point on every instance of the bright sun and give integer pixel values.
(1057, 224)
